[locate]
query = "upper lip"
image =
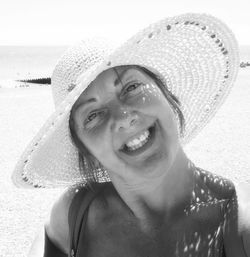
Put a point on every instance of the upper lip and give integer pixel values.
(131, 137)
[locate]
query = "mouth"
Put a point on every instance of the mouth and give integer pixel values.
(140, 143)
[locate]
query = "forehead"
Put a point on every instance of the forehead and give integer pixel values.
(106, 82)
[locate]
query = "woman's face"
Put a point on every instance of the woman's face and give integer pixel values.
(126, 122)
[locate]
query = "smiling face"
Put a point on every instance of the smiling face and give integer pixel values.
(126, 122)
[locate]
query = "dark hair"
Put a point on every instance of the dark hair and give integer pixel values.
(86, 159)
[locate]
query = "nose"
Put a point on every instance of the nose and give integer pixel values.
(123, 118)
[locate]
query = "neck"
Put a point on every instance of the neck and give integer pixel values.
(161, 194)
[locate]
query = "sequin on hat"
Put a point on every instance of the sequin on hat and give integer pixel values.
(195, 55)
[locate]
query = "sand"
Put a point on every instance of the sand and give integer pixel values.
(223, 146)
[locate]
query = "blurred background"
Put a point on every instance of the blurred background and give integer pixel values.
(34, 34)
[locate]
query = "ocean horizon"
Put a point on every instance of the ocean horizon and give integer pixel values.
(33, 62)
(24, 62)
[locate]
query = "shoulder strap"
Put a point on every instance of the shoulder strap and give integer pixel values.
(77, 218)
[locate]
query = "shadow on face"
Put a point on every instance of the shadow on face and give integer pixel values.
(126, 118)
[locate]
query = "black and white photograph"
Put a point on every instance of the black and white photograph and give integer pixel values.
(125, 128)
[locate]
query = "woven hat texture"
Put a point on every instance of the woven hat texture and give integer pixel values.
(195, 55)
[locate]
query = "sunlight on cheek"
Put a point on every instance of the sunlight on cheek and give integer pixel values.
(150, 96)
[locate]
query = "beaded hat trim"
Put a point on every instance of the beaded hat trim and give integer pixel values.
(195, 55)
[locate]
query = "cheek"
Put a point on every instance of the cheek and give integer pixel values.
(98, 142)
(151, 96)
(153, 102)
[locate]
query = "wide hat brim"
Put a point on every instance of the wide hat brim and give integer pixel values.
(195, 55)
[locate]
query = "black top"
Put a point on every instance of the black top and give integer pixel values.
(101, 224)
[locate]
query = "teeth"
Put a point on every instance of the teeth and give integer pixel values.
(138, 141)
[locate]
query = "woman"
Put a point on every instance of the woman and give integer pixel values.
(116, 137)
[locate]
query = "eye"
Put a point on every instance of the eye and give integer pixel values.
(133, 88)
(94, 117)
(91, 116)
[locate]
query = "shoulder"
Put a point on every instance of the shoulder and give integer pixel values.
(57, 227)
(221, 188)
(107, 208)
(107, 201)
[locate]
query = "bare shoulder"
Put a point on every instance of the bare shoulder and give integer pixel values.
(57, 227)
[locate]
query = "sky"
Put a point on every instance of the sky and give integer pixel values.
(64, 22)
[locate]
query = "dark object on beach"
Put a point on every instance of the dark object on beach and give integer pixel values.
(244, 64)
(37, 81)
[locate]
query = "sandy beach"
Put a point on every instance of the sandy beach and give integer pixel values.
(222, 147)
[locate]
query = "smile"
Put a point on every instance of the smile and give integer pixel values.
(140, 143)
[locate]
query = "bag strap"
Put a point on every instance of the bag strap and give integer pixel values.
(77, 218)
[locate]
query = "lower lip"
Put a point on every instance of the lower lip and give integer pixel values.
(146, 146)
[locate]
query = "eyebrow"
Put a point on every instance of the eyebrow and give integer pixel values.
(121, 75)
(116, 82)
(91, 100)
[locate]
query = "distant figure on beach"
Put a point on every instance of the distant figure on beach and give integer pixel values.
(244, 64)
(115, 141)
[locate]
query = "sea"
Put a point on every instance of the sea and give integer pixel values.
(34, 62)
(27, 62)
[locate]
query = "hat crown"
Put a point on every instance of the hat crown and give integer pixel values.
(77, 60)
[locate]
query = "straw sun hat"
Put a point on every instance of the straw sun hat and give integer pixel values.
(195, 56)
